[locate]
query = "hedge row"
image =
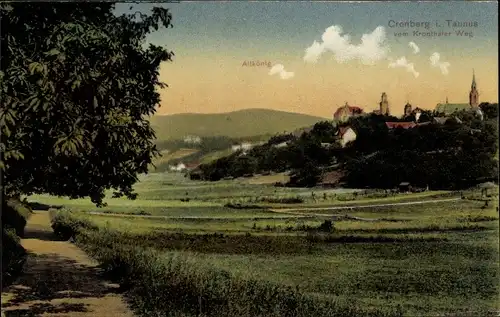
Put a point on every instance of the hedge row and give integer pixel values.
(15, 214)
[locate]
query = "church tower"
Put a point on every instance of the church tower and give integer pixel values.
(474, 94)
(384, 105)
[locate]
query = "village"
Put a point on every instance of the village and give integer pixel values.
(412, 117)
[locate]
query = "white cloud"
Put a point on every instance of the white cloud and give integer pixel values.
(372, 48)
(280, 69)
(403, 63)
(435, 62)
(414, 47)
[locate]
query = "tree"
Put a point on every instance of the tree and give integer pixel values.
(490, 109)
(426, 116)
(324, 131)
(307, 175)
(77, 88)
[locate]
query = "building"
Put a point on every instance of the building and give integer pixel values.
(444, 120)
(417, 112)
(346, 135)
(281, 145)
(345, 112)
(408, 110)
(473, 94)
(404, 125)
(439, 120)
(449, 108)
(178, 168)
(384, 105)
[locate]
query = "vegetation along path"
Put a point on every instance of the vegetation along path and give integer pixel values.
(59, 279)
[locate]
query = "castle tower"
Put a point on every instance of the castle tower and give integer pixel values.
(407, 110)
(384, 104)
(474, 94)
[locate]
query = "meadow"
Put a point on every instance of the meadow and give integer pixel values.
(436, 259)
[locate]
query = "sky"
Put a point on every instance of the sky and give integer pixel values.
(312, 57)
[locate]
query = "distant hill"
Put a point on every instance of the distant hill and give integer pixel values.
(237, 124)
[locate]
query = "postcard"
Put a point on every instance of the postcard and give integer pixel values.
(249, 158)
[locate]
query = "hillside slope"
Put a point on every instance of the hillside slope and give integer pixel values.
(237, 124)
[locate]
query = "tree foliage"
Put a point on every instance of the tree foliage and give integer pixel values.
(77, 85)
(301, 155)
(440, 156)
(490, 110)
(449, 155)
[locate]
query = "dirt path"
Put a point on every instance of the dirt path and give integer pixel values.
(307, 211)
(287, 210)
(303, 212)
(59, 279)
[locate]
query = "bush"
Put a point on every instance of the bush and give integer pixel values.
(284, 200)
(66, 225)
(13, 256)
(15, 215)
(240, 206)
(326, 226)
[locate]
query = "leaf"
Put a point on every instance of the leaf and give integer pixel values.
(6, 131)
(75, 84)
(33, 67)
(53, 52)
(34, 103)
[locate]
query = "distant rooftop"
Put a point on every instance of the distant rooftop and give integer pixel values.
(404, 125)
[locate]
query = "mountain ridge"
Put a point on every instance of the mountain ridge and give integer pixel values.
(240, 123)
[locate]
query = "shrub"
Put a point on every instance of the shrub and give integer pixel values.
(283, 200)
(326, 226)
(13, 256)
(66, 225)
(15, 215)
(240, 206)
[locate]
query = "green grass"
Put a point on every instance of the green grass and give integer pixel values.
(167, 156)
(209, 157)
(430, 270)
(237, 124)
(179, 284)
(429, 259)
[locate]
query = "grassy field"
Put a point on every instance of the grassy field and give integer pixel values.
(237, 124)
(209, 157)
(164, 193)
(434, 259)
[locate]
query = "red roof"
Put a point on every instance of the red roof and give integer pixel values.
(404, 125)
